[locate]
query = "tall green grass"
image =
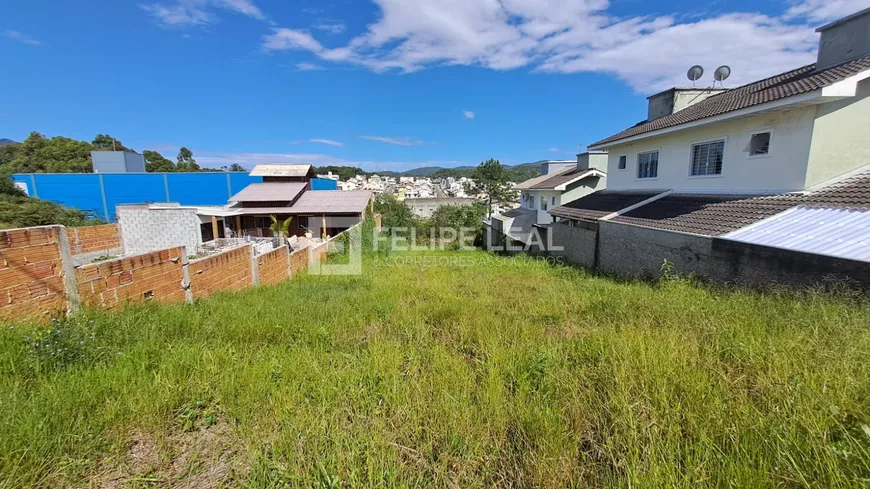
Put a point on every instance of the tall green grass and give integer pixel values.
(458, 371)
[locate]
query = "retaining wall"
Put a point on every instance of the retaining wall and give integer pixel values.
(625, 249)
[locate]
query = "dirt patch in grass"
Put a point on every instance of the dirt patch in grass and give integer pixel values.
(205, 458)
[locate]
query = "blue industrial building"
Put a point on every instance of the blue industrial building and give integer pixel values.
(99, 193)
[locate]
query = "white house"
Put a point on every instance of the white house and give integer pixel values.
(714, 162)
(560, 182)
(785, 133)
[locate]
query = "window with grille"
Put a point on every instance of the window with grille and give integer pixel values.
(622, 161)
(648, 164)
(707, 158)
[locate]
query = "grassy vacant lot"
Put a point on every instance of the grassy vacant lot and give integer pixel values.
(505, 373)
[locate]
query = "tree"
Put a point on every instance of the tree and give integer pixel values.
(8, 187)
(7, 153)
(491, 179)
(343, 172)
(394, 214)
(236, 167)
(105, 142)
(186, 161)
(56, 155)
(156, 163)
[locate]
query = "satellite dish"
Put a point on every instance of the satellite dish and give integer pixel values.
(695, 73)
(722, 73)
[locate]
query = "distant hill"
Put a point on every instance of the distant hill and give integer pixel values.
(4, 142)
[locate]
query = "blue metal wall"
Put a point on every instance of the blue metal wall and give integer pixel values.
(323, 184)
(100, 193)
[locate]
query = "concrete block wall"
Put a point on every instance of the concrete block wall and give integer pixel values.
(578, 245)
(230, 270)
(151, 276)
(274, 266)
(32, 273)
(624, 249)
(146, 229)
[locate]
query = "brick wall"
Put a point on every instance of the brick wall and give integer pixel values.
(149, 276)
(274, 266)
(90, 239)
(230, 270)
(298, 261)
(31, 273)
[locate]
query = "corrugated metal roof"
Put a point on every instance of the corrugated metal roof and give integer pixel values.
(280, 170)
(269, 192)
(844, 233)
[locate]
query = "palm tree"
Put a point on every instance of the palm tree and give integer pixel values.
(280, 228)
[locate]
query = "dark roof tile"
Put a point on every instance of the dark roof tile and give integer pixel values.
(795, 82)
(714, 215)
(600, 204)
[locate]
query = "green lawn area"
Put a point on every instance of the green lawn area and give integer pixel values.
(477, 373)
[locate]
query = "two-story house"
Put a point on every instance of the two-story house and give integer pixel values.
(712, 162)
(559, 183)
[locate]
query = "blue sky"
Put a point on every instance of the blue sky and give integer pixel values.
(385, 84)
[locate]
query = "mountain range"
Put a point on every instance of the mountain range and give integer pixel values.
(4, 142)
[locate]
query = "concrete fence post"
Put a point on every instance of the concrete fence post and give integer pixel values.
(78, 243)
(185, 276)
(71, 287)
(255, 268)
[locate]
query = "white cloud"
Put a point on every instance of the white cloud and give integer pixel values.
(394, 141)
(330, 27)
(823, 10)
(575, 36)
(308, 67)
(327, 141)
(468, 114)
(185, 13)
(22, 38)
(554, 150)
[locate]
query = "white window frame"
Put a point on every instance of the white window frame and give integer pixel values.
(626, 162)
(637, 164)
(723, 140)
(769, 145)
(543, 203)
